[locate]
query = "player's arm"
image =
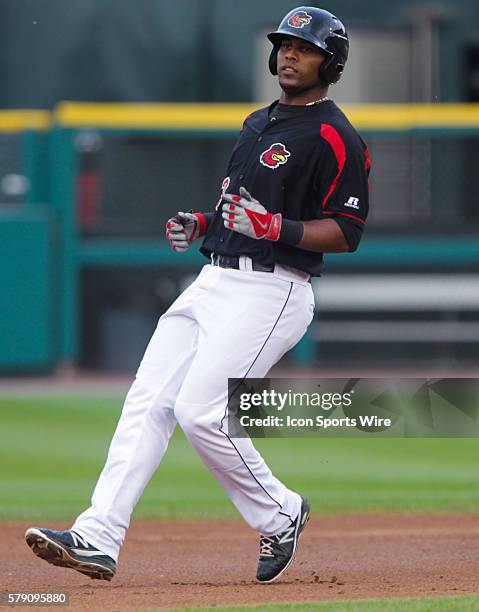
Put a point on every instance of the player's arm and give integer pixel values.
(184, 228)
(247, 216)
(324, 236)
(341, 183)
(335, 234)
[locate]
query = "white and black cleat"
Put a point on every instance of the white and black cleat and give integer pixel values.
(68, 549)
(277, 552)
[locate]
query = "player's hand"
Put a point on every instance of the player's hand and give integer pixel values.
(183, 229)
(245, 215)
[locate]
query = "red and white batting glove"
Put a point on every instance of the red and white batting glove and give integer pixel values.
(245, 215)
(183, 229)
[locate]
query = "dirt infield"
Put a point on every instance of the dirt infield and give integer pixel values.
(168, 564)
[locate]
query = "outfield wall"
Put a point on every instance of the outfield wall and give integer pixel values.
(88, 187)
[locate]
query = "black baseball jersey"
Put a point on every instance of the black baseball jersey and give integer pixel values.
(306, 162)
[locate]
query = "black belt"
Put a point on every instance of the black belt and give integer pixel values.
(227, 261)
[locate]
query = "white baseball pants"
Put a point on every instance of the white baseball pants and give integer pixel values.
(228, 323)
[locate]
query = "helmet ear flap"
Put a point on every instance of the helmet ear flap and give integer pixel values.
(331, 70)
(273, 60)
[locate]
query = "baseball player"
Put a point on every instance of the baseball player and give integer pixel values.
(296, 187)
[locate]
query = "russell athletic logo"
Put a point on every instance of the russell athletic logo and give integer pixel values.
(352, 203)
(299, 19)
(275, 156)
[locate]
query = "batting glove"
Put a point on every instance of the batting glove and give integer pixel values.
(183, 229)
(245, 215)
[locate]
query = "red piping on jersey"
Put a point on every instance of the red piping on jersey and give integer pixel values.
(368, 160)
(335, 141)
(335, 212)
(368, 164)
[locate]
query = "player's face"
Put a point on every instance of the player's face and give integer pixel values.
(298, 64)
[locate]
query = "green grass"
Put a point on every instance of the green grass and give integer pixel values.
(466, 603)
(52, 450)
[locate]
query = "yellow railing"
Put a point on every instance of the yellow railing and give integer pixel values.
(225, 117)
(167, 116)
(17, 120)
(231, 116)
(411, 116)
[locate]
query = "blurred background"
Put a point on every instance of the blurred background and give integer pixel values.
(87, 185)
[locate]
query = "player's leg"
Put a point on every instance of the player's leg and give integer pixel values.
(138, 445)
(249, 322)
(142, 434)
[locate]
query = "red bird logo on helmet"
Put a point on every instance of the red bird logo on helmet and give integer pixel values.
(299, 19)
(275, 156)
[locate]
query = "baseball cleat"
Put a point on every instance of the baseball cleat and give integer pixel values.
(276, 553)
(68, 549)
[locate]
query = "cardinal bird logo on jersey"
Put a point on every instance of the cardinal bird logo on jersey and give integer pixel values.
(299, 19)
(275, 156)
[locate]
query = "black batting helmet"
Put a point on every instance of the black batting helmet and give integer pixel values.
(319, 28)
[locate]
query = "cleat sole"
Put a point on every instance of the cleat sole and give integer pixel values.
(54, 553)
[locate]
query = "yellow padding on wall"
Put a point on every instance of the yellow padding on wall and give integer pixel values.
(221, 117)
(17, 120)
(161, 116)
(231, 116)
(409, 116)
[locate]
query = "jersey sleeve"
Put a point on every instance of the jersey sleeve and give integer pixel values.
(342, 179)
(239, 145)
